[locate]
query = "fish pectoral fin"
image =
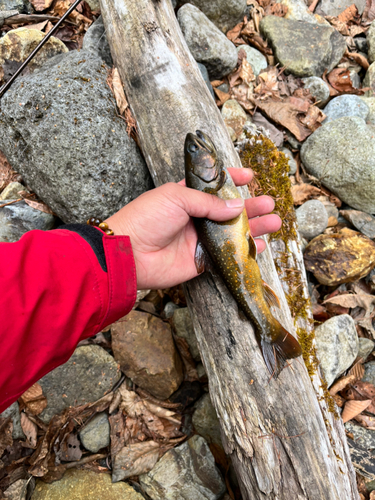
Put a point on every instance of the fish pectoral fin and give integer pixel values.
(252, 247)
(221, 183)
(276, 353)
(200, 258)
(270, 296)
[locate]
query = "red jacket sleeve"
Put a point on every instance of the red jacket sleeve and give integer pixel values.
(54, 292)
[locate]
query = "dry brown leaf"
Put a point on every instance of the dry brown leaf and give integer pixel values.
(37, 26)
(339, 25)
(40, 5)
(70, 450)
(358, 370)
(355, 31)
(369, 13)
(134, 460)
(6, 429)
(117, 425)
(313, 118)
(30, 430)
(339, 400)
(348, 14)
(353, 408)
(118, 90)
(246, 71)
(39, 205)
(358, 299)
(33, 400)
(216, 83)
(359, 59)
(340, 80)
(234, 34)
(277, 9)
(366, 421)
(223, 96)
(332, 221)
(61, 6)
(304, 192)
(243, 95)
(341, 384)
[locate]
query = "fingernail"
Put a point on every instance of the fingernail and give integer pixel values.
(235, 203)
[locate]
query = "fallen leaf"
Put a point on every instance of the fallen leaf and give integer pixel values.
(61, 6)
(340, 80)
(38, 26)
(355, 30)
(33, 400)
(70, 450)
(117, 425)
(348, 14)
(339, 25)
(369, 12)
(223, 96)
(234, 34)
(277, 9)
(30, 430)
(359, 59)
(40, 5)
(38, 205)
(276, 136)
(366, 421)
(341, 384)
(304, 192)
(6, 429)
(134, 460)
(358, 370)
(118, 90)
(216, 83)
(353, 408)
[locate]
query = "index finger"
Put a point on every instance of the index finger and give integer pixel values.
(240, 176)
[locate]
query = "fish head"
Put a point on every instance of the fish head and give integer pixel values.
(202, 167)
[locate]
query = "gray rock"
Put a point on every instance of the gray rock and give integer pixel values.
(89, 374)
(346, 105)
(255, 58)
(305, 48)
(206, 78)
(370, 101)
(11, 191)
(369, 80)
(335, 7)
(292, 162)
(332, 211)
(234, 116)
(224, 87)
(96, 41)
(336, 346)
(370, 38)
(298, 11)
(369, 375)
(363, 437)
(292, 140)
(341, 154)
(205, 420)
(318, 88)
(13, 411)
(96, 434)
(169, 309)
(355, 78)
(184, 328)
(66, 141)
(361, 44)
(206, 42)
(361, 221)
(94, 5)
(23, 6)
(366, 346)
(225, 14)
(201, 370)
(186, 472)
(312, 219)
(18, 218)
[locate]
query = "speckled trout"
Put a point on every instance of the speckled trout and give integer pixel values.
(233, 252)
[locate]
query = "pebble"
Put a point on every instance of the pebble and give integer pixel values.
(169, 309)
(84, 485)
(205, 420)
(255, 58)
(17, 44)
(11, 191)
(312, 219)
(370, 101)
(369, 80)
(86, 377)
(234, 116)
(206, 78)
(341, 154)
(70, 100)
(363, 437)
(345, 105)
(144, 347)
(298, 11)
(318, 88)
(18, 218)
(292, 162)
(370, 38)
(306, 49)
(366, 346)
(361, 221)
(332, 211)
(13, 411)
(206, 42)
(336, 346)
(186, 472)
(295, 144)
(361, 44)
(183, 326)
(355, 78)
(225, 14)
(96, 434)
(369, 375)
(335, 7)
(23, 6)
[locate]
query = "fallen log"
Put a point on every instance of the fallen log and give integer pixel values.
(274, 430)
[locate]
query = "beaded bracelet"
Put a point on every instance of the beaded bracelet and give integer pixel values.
(93, 221)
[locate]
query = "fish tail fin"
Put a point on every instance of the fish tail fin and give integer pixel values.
(276, 353)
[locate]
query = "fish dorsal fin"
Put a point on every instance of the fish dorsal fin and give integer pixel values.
(252, 247)
(270, 296)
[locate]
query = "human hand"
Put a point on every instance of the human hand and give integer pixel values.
(163, 235)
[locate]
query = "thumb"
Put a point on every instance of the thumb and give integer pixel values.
(204, 205)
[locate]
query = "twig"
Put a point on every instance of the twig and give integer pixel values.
(10, 202)
(86, 460)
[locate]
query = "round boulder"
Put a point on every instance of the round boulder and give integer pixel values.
(312, 219)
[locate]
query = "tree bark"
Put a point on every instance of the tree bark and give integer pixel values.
(274, 431)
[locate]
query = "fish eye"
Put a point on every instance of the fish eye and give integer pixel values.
(192, 148)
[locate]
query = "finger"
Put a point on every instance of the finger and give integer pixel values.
(241, 176)
(182, 183)
(261, 245)
(203, 205)
(261, 205)
(264, 225)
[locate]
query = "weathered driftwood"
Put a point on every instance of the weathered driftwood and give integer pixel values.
(274, 431)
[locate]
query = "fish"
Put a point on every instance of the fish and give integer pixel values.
(233, 251)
